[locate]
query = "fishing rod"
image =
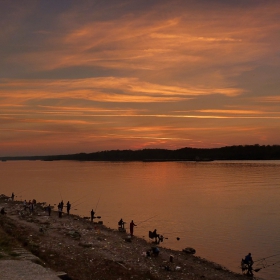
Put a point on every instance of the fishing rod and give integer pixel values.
(258, 269)
(98, 217)
(97, 203)
(74, 205)
(30, 188)
(60, 194)
(79, 199)
(147, 219)
(267, 257)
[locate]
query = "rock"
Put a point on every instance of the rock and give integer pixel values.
(189, 250)
(63, 275)
(74, 234)
(127, 239)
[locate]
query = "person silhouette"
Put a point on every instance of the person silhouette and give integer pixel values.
(132, 225)
(92, 215)
(68, 207)
(121, 223)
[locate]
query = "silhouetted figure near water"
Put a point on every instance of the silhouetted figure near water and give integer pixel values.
(132, 225)
(121, 223)
(154, 235)
(247, 264)
(92, 215)
(49, 209)
(68, 207)
(59, 210)
(31, 206)
(61, 205)
(13, 196)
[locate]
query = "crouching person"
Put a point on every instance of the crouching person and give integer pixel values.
(154, 251)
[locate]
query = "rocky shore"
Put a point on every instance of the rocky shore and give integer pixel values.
(85, 250)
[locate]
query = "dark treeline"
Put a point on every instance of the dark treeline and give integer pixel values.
(247, 152)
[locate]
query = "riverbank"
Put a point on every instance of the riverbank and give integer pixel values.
(86, 250)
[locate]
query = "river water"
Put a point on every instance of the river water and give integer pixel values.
(223, 209)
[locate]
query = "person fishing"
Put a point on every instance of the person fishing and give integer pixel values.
(121, 223)
(60, 210)
(92, 215)
(249, 262)
(132, 225)
(68, 207)
(61, 205)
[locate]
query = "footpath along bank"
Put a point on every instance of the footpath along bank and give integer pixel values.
(85, 250)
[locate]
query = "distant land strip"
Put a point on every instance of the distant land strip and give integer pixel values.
(246, 152)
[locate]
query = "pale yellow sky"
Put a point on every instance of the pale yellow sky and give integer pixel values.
(100, 75)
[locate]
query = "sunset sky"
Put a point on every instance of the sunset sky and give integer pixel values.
(86, 76)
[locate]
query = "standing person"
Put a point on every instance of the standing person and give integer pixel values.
(68, 207)
(32, 207)
(13, 196)
(29, 205)
(92, 215)
(132, 225)
(61, 205)
(59, 210)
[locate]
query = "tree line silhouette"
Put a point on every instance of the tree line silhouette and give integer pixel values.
(246, 152)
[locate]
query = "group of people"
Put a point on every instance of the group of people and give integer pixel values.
(246, 263)
(60, 208)
(29, 205)
(121, 224)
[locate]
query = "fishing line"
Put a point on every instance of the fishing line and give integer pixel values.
(147, 220)
(60, 194)
(268, 257)
(30, 188)
(74, 205)
(78, 199)
(97, 203)
(258, 269)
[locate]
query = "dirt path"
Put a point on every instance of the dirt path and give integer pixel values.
(86, 250)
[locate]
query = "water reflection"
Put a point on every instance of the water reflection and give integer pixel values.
(222, 209)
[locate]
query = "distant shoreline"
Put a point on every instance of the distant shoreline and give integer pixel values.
(247, 152)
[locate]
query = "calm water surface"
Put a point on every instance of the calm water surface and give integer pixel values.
(222, 209)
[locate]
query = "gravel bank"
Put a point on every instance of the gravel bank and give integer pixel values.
(86, 250)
